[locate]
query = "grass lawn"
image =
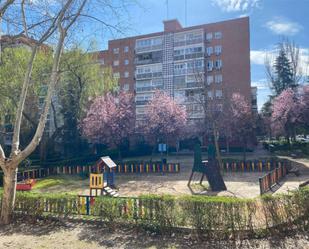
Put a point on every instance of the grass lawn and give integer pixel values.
(62, 184)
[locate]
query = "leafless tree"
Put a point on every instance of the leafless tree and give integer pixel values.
(292, 52)
(212, 108)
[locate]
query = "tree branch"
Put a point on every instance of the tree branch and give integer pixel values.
(53, 80)
(5, 6)
(48, 33)
(24, 17)
(2, 154)
(20, 108)
(78, 13)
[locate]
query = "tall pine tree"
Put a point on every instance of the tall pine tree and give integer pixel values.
(283, 74)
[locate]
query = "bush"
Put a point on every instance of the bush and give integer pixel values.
(282, 145)
(211, 216)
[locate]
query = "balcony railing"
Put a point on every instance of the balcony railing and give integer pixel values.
(141, 102)
(187, 85)
(188, 56)
(148, 75)
(188, 42)
(148, 48)
(148, 88)
(147, 61)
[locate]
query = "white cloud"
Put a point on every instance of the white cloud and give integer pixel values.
(261, 84)
(236, 5)
(258, 56)
(283, 27)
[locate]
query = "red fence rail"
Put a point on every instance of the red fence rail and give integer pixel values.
(272, 178)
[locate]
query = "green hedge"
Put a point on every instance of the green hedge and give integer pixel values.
(282, 145)
(210, 216)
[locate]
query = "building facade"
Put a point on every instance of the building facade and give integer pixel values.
(181, 61)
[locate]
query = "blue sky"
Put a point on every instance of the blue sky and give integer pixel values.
(270, 21)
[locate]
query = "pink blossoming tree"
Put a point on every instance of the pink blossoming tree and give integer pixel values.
(242, 120)
(110, 120)
(304, 105)
(165, 120)
(286, 114)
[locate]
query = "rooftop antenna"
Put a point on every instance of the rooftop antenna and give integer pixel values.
(166, 9)
(186, 13)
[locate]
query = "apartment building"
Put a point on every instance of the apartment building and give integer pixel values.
(177, 60)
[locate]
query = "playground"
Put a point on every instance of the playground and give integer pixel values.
(239, 184)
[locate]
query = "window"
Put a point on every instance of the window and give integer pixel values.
(188, 53)
(116, 50)
(126, 74)
(151, 42)
(194, 50)
(218, 64)
(144, 97)
(210, 79)
(195, 64)
(210, 94)
(218, 49)
(218, 93)
(116, 63)
(209, 36)
(180, 69)
(126, 62)
(126, 87)
(116, 75)
(126, 49)
(218, 78)
(195, 35)
(209, 50)
(192, 37)
(154, 70)
(210, 65)
(218, 35)
(178, 52)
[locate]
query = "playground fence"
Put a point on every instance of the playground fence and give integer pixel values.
(252, 166)
(77, 169)
(215, 215)
(272, 178)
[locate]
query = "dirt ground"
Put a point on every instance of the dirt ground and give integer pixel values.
(238, 184)
(50, 235)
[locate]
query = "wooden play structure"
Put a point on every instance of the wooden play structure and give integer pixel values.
(96, 183)
(102, 182)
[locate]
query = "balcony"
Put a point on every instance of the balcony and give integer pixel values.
(139, 50)
(188, 85)
(138, 61)
(141, 102)
(148, 75)
(189, 56)
(188, 42)
(149, 58)
(149, 88)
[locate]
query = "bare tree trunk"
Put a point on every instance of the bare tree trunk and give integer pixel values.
(8, 198)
